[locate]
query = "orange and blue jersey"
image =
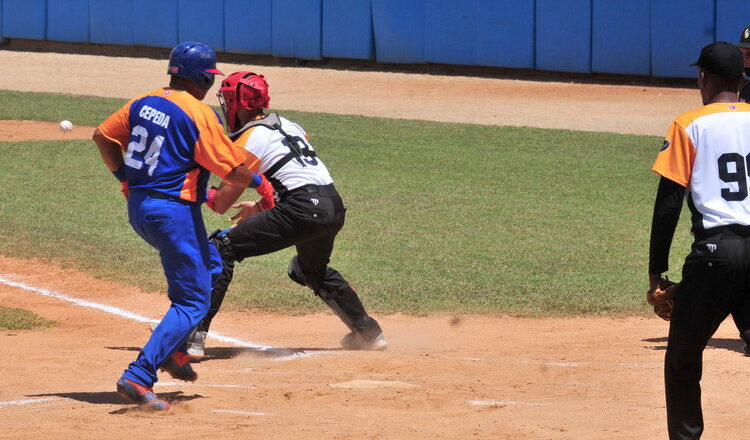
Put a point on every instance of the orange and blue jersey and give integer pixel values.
(172, 141)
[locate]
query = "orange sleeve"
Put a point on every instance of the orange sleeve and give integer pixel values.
(677, 156)
(117, 126)
(214, 151)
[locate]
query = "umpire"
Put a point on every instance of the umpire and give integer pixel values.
(745, 48)
(705, 156)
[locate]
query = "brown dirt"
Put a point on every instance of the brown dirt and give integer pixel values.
(17, 131)
(619, 109)
(443, 377)
(539, 379)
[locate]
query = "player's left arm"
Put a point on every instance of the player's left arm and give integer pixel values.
(222, 198)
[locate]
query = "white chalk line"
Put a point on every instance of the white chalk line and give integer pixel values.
(242, 413)
(501, 403)
(139, 318)
(190, 384)
(26, 401)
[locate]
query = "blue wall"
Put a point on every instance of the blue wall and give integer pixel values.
(347, 29)
(156, 23)
(563, 35)
(111, 21)
(25, 19)
(621, 37)
(636, 37)
(242, 37)
(68, 20)
(679, 29)
(296, 28)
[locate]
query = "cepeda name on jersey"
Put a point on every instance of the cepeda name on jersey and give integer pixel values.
(154, 115)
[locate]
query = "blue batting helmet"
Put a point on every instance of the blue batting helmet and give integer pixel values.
(194, 61)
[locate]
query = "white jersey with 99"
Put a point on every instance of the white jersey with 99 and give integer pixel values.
(270, 146)
(707, 150)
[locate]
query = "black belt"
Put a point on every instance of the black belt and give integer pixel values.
(158, 195)
(323, 190)
(731, 230)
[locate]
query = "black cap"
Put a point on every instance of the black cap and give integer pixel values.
(721, 58)
(745, 38)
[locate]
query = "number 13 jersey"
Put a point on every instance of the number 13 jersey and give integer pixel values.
(271, 146)
(707, 150)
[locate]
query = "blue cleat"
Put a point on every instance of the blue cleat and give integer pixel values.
(144, 396)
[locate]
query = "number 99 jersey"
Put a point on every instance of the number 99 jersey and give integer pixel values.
(707, 150)
(172, 140)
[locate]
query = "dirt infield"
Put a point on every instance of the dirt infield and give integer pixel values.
(619, 109)
(18, 131)
(443, 377)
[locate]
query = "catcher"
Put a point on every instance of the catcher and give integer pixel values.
(705, 156)
(308, 215)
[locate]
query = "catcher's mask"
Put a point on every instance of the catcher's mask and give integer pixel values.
(245, 89)
(194, 61)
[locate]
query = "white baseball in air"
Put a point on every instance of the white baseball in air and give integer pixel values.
(66, 126)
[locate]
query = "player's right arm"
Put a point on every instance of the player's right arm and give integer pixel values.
(110, 138)
(674, 164)
(215, 152)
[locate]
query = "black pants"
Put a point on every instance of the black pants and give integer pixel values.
(715, 284)
(309, 218)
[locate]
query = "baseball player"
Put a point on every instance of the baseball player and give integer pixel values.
(308, 214)
(745, 48)
(705, 156)
(171, 141)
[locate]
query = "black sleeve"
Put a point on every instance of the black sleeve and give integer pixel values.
(667, 209)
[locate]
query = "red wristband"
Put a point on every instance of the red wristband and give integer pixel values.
(211, 197)
(265, 189)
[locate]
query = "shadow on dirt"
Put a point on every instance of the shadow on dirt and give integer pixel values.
(730, 344)
(112, 398)
(219, 353)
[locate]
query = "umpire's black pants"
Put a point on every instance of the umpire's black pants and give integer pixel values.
(309, 218)
(715, 283)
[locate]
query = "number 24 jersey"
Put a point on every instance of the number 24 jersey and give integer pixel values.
(172, 142)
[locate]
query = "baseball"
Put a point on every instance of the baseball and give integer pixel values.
(66, 126)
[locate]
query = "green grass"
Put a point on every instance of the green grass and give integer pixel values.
(12, 318)
(447, 218)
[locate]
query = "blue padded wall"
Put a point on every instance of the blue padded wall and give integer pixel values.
(679, 29)
(111, 21)
(399, 30)
(68, 20)
(505, 33)
(731, 18)
(563, 35)
(201, 20)
(156, 23)
(621, 37)
(244, 35)
(25, 19)
(450, 32)
(297, 28)
(347, 29)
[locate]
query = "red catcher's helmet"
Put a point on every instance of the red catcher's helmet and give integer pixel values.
(245, 89)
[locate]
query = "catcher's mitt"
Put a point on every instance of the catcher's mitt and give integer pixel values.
(662, 298)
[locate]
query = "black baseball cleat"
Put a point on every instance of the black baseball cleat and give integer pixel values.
(355, 341)
(178, 366)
